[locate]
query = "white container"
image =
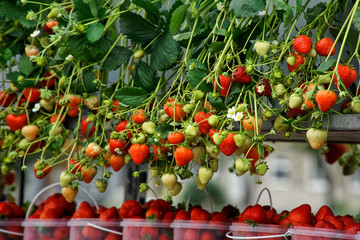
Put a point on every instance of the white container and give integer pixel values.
(138, 229)
(199, 230)
(83, 229)
(257, 231)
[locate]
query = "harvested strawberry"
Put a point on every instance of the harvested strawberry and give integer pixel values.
(174, 110)
(302, 44)
(139, 152)
(228, 145)
(240, 75)
(162, 205)
(32, 94)
(199, 214)
(352, 227)
(84, 211)
(324, 224)
(346, 219)
(6, 99)
(334, 221)
(149, 232)
(347, 76)
(192, 234)
(301, 214)
(129, 209)
(175, 137)
(230, 211)
(336, 150)
(6, 209)
(325, 99)
(109, 214)
(139, 117)
(182, 215)
(324, 46)
(322, 212)
(62, 232)
(153, 213)
(168, 216)
(85, 130)
(208, 235)
(202, 119)
(16, 122)
(183, 156)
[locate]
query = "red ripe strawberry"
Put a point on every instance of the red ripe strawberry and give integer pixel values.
(322, 212)
(84, 128)
(153, 213)
(49, 79)
(88, 173)
(324, 46)
(90, 232)
(122, 126)
(346, 219)
(346, 74)
(113, 236)
(228, 146)
(116, 145)
(278, 217)
(117, 162)
(183, 156)
(139, 152)
(149, 232)
(199, 214)
(139, 117)
(334, 221)
(255, 214)
(129, 209)
(263, 88)
(230, 211)
(55, 117)
(208, 235)
(201, 119)
(301, 214)
(52, 213)
(6, 98)
(32, 94)
(345, 107)
(168, 216)
(43, 167)
(324, 224)
(192, 234)
(6, 209)
(302, 44)
(325, 99)
(84, 211)
(75, 166)
(162, 205)
(240, 75)
(294, 112)
(16, 122)
(62, 232)
(352, 227)
(299, 61)
(182, 215)
(109, 214)
(160, 149)
(225, 83)
(285, 222)
(174, 110)
(211, 134)
(175, 137)
(218, 217)
(18, 211)
(336, 150)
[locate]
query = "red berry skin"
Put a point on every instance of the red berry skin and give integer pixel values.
(183, 156)
(240, 75)
(201, 119)
(139, 152)
(225, 83)
(324, 46)
(336, 150)
(83, 128)
(32, 94)
(6, 98)
(299, 61)
(16, 122)
(302, 44)
(228, 145)
(346, 74)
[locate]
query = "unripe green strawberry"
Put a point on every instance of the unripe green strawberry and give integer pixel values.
(176, 190)
(53, 13)
(279, 126)
(163, 119)
(242, 165)
(48, 105)
(249, 68)
(138, 138)
(127, 158)
(280, 89)
(213, 120)
(312, 53)
(139, 54)
(169, 180)
(277, 74)
(316, 137)
(218, 138)
(191, 130)
(65, 179)
(188, 108)
(266, 114)
(55, 130)
(214, 165)
(199, 184)
(101, 185)
(198, 95)
(212, 150)
(355, 105)
(261, 168)
(149, 127)
(291, 60)
(262, 47)
(295, 100)
(24, 144)
(325, 79)
(239, 139)
(199, 154)
(205, 174)
(245, 146)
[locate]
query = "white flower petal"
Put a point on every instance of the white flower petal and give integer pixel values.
(35, 33)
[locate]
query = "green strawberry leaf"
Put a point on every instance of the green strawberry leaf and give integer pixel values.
(94, 32)
(357, 19)
(144, 76)
(25, 65)
(216, 47)
(95, 6)
(118, 56)
(288, 14)
(313, 12)
(82, 9)
(217, 102)
(177, 18)
(324, 66)
(246, 8)
(152, 11)
(131, 96)
(84, 83)
(298, 7)
(164, 52)
(13, 77)
(137, 28)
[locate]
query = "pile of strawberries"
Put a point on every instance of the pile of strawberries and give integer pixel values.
(13, 215)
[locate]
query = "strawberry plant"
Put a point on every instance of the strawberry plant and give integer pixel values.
(100, 84)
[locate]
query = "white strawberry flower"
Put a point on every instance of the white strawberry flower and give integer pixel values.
(35, 33)
(69, 57)
(261, 88)
(36, 107)
(238, 116)
(231, 112)
(117, 150)
(262, 13)
(275, 42)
